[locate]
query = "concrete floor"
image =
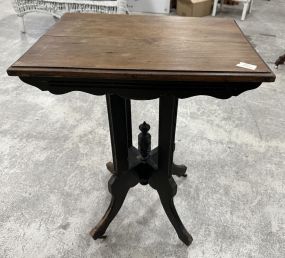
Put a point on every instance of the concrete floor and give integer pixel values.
(53, 150)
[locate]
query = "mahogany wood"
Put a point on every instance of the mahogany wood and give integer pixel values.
(139, 47)
(142, 57)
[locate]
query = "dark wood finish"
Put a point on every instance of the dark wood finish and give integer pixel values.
(167, 189)
(119, 137)
(144, 141)
(179, 170)
(128, 47)
(142, 90)
(142, 57)
(119, 186)
(162, 181)
(142, 165)
(123, 178)
(167, 122)
(280, 60)
(129, 122)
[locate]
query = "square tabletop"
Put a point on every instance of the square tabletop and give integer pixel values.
(155, 47)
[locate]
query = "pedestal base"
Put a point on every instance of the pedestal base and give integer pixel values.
(131, 166)
(177, 170)
(144, 172)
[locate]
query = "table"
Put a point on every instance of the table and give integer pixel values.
(142, 57)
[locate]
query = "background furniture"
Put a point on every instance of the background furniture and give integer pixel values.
(152, 58)
(247, 5)
(58, 7)
(149, 6)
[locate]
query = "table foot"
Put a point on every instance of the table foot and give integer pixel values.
(118, 187)
(179, 170)
(167, 189)
(110, 167)
(279, 61)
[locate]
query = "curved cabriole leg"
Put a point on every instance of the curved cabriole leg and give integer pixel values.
(118, 187)
(167, 189)
(123, 178)
(162, 180)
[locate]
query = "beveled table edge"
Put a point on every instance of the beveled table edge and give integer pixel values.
(144, 75)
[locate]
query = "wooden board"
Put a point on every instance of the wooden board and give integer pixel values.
(154, 47)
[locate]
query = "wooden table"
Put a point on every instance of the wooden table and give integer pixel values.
(142, 57)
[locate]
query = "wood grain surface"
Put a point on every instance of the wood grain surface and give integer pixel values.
(127, 47)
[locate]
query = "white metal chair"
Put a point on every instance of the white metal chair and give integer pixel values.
(247, 5)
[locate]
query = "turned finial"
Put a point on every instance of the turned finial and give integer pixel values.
(144, 140)
(144, 127)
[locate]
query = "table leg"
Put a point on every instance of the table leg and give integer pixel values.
(118, 187)
(162, 180)
(128, 114)
(123, 178)
(178, 170)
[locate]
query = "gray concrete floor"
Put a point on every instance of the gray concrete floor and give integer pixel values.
(53, 150)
